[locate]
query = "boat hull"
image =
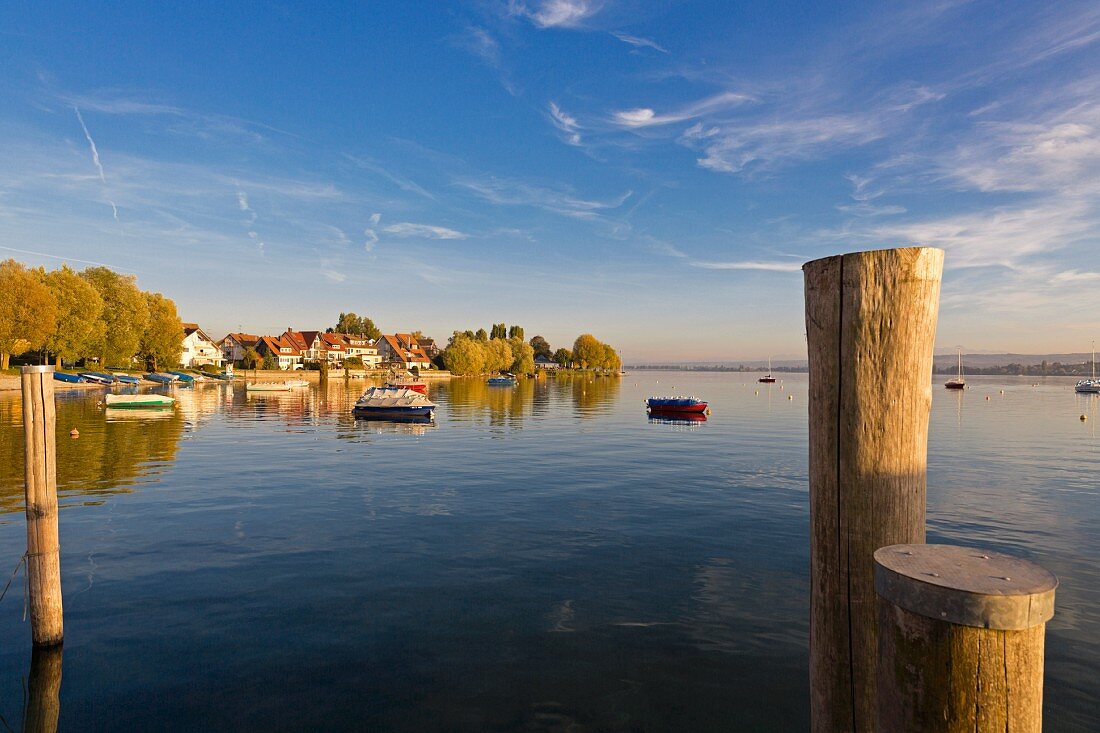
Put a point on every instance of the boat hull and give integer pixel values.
(394, 413)
(677, 407)
(955, 385)
(68, 378)
(99, 377)
(420, 387)
(161, 378)
(127, 379)
(142, 402)
(1087, 388)
(766, 380)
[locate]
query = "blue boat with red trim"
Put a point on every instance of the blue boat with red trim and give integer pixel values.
(676, 405)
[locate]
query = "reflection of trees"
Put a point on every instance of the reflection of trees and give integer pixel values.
(107, 457)
(504, 405)
(591, 393)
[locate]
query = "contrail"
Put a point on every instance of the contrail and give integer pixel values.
(95, 158)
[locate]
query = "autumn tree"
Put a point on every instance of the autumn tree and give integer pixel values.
(587, 351)
(28, 311)
(79, 310)
(563, 357)
(161, 341)
(125, 313)
(464, 356)
(541, 347)
(499, 355)
(523, 356)
(251, 358)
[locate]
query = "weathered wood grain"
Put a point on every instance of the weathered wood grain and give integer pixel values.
(40, 476)
(870, 327)
(935, 673)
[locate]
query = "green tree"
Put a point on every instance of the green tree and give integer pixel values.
(482, 336)
(563, 357)
(523, 356)
(500, 331)
(28, 311)
(162, 341)
(251, 358)
(541, 347)
(465, 356)
(515, 332)
(125, 313)
(610, 360)
(359, 326)
(269, 362)
(79, 309)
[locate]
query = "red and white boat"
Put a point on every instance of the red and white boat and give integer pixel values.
(676, 405)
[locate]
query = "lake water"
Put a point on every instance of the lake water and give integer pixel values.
(543, 558)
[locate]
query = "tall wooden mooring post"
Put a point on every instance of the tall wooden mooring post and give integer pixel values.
(870, 327)
(40, 473)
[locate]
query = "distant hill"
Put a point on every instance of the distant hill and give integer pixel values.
(943, 363)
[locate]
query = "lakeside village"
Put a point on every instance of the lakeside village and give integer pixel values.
(100, 317)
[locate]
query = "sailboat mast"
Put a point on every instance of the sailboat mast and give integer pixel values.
(960, 363)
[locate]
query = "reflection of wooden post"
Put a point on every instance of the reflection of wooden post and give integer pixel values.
(44, 683)
(43, 550)
(960, 642)
(870, 326)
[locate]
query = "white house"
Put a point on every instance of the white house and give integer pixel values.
(282, 351)
(198, 348)
(365, 349)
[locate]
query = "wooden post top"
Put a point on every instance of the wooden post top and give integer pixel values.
(36, 369)
(912, 253)
(964, 585)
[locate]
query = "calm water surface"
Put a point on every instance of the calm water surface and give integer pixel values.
(543, 558)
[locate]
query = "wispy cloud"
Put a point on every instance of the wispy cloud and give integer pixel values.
(557, 13)
(566, 123)
(639, 42)
(424, 231)
(749, 265)
(403, 183)
(517, 193)
(370, 233)
(242, 204)
(646, 117)
(95, 159)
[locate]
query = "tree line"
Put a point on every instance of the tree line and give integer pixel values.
(502, 348)
(96, 313)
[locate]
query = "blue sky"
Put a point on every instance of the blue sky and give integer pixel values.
(653, 172)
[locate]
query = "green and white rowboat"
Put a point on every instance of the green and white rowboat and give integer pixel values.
(138, 400)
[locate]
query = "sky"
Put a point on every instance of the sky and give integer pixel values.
(653, 172)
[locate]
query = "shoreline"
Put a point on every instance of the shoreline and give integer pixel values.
(11, 382)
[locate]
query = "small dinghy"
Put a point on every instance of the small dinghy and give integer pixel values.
(68, 378)
(161, 378)
(504, 380)
(393, 402)
(267, 387)
(185, 377)
(144, 401)
(676, 405)
(124, 378)
(99, 377)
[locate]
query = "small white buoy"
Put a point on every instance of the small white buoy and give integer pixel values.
(790, 397)
(74, 433)
(1002, 391)
(987, 398)
(1084, 417)
(757, 391)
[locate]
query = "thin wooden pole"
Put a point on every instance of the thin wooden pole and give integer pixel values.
(960, 644)
(40, 472)
(44, 688)
(870, 327)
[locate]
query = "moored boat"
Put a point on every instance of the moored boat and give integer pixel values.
(99, 377)
(69, 378)
(292, 383)
(958, 382)
(676, 405)
(1092, 384)
(768, 378)
(161, 378)
(147, 400)
(124, 378)
(184, 376)
(267, 387)
(406, 383)
(393, 402)
(503, 380)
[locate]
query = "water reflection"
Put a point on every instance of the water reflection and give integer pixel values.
(43, 691)
(111, 455)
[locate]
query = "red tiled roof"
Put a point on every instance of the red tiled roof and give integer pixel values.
(244, 339)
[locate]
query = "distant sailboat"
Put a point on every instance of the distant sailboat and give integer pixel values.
(1092, 384)
(958, 382)
(768, 378)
